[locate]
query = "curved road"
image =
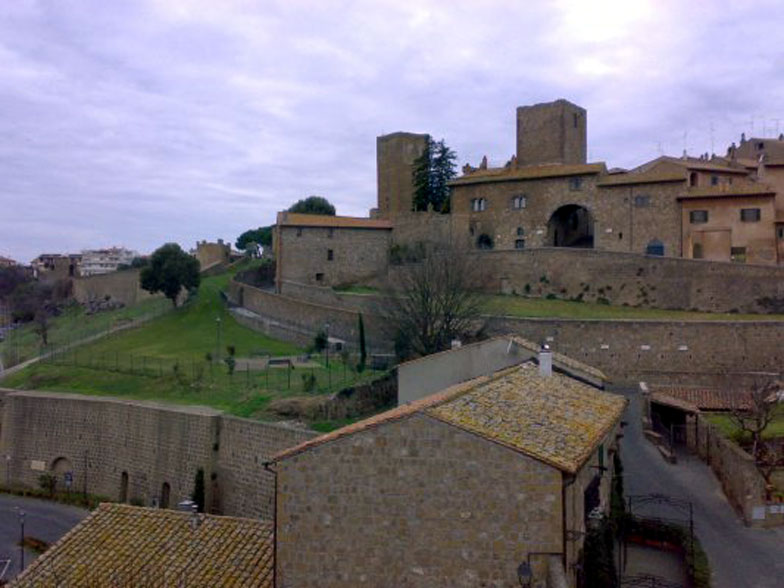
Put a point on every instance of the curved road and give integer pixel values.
(739, 556)
(47, 521)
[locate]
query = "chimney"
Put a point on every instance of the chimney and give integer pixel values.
(545, 361)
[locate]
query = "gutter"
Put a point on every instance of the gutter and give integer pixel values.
(568, 480)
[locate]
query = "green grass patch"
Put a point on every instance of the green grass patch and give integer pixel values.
(729, 429)
(356, 289)
(329, 426)
(521, 306)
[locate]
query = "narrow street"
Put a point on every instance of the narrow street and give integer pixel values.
(739, 556)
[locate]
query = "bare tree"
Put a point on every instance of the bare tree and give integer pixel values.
(754, 417)
(434, 300)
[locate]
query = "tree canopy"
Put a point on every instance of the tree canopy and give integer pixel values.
(313, 205)
(261, 236)
(170, 270)
(431, 174)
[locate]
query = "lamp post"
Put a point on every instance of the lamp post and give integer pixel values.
(21, 540)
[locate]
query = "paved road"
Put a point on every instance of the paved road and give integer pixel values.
(739, 556)
(47, 521)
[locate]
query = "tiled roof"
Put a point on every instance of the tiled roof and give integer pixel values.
(729, 191)
(528, 172)
(703, 398)
(563, 361)
(555, 419)
(293, 219)
(119, 545)
(649, 177)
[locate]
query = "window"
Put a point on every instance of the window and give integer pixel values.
(696, 251)
(780, 232)
(642, 201)
(330, 255)
(693, 179)
(478, 204)
(575, 119)
(519, 202)
(750, 215)
(330, 232)
(760, 146)
(484, 242)
(698, 217)
(319, 277)
(299, 231)
(738, 254)
(576, 183)
(519, 243)
(714, 180)
(655, 247)
(520, 231)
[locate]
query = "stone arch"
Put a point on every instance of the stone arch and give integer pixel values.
(571, 226)
(165, 495)
(61, 465)
(484, 241)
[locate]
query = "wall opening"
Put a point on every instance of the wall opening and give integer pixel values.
(484, 241)
(124, 487)
(654, 247)
(165, 494)
(570, 226)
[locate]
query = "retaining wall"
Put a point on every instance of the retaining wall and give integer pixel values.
(97, 439)
(118, 286)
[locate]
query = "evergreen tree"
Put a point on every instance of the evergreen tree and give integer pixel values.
(431, 174)
(362, 347)
(313, 205)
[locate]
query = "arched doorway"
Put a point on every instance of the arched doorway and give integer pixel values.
(484, 241)
(165, 492)
(570, 226)
(124, 488)
(63, 472)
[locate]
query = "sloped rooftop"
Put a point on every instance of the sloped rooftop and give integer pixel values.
(295, 219)
(120, 545)
(557, 419)
(528, 172)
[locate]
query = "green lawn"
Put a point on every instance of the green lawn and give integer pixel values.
(520, 306)
(723, 421)
(165, 359)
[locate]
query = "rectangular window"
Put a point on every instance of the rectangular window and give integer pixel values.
(299, 231)
(698, 217)
(781, 233)
(330, 232)
(750, 215)
(642, 201)
(519, 202)
(575, 183)
(519, 243)
(330, 255)
(738, 254)
(319, 277)
(714, 180)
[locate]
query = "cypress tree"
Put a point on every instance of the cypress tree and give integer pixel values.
(362, 348)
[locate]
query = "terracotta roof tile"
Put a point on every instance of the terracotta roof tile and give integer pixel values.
(292, 219)
(528, 172)
(557, 419)
(120, 545)
(703, 398)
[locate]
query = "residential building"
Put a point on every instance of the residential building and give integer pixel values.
(55, 266)
(7, 262)
(104, 261)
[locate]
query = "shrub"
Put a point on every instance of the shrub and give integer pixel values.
(231, 363)
(47, 482)
(320, 341)
(309, 382)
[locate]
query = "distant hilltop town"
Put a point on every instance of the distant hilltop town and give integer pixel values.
(728, 208)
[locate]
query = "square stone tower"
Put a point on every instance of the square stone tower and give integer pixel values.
(395, 156)
(551, 132)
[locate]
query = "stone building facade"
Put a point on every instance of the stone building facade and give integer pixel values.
(444, 492)
(210, 254)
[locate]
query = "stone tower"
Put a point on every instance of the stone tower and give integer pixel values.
(395, 156)
(551, 132)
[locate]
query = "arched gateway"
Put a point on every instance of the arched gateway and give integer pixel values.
(570, 226)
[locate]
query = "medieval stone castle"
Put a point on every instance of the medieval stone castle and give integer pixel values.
(728, 208)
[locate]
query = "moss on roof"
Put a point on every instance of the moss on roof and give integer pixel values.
(120, 545)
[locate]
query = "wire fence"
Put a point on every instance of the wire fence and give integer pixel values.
(72, 328)
(296, 374)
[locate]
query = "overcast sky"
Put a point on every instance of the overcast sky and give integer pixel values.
(137, 123)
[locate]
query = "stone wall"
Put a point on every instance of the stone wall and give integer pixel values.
(635, 280)
(210, 254)
(122, 286)
(658, 352)
(742, 483)
(415, 502)
(100, 438)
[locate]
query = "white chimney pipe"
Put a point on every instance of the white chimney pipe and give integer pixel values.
(545, 361)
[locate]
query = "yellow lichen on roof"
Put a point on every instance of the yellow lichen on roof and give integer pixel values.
(555, 419)
(529, 172)
(121, 545)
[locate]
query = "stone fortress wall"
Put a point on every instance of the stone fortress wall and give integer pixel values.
(122, 286)
(97, 439)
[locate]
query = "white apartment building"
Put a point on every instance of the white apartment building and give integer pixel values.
(103, 261)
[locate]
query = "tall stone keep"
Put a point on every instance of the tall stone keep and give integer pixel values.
(395, 156)
(551, 132)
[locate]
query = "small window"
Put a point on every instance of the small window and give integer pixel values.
(478, 204)
(519, 202)
(693, 179)
(330, 255)
(760, 146)
(655, 247)
(330, 232)
(519, 243)
(738, 254)
(484, 241)
(714, 180)
(520, 231)
(750, 215)
(576, 183)
(642, 201)
(299, 231)
(696, 251)
(575, 119)
(780, 232)
(698, 217)
(319, 277)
